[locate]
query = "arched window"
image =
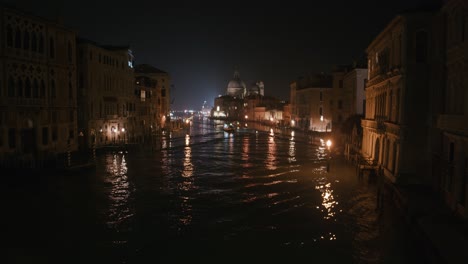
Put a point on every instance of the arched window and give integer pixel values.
(19, 88)
(391, 106)
(27, 88)
(42, 89)
(41, 43)
(52, 89)
(18, 38)
(421, 46)
(26, 40)
(51, 48)
(11, 87)
(34, 42)
(70, 90)
(9, 36)
(35, 89)
(70, 52)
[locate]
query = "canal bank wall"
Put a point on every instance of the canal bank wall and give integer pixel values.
(442, 235)
(435, 231)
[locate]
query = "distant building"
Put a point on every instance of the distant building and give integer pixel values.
(37, 89)
(152, 87)
(311, 97)
(236, 87)
(107, 106)
(248, 105)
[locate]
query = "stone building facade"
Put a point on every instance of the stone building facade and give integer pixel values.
(152, 95)
(450, 107)
(107, 106)
(37, 89)
(311, 97)
(395, 127)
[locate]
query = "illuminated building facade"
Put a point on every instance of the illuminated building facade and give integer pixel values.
(152, 94)
(107, 107)
(310, 102)
(395, 127)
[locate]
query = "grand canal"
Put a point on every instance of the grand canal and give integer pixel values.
(206, 195)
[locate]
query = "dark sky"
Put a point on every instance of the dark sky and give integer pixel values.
(200, 43)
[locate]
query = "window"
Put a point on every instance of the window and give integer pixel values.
(20, 88)
(320, 111)
(72, 116)
(70, 52)
(45, 135)
(54, 133)
(11, 87)
(51, 48)
(163, 92)
(42, 91)
(41, 44)
(27, 88)
(12, 138)
(26, 40)
(70, 90)
(18, 38)
(34, 42)
(71, 133)
(421, 46)
(9, 36)
(340, 104)
(340, 84)
(52, 89)
(35, 89)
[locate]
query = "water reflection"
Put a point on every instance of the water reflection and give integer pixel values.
(328, 200)
(245, 152)
(270, 161)
(292, 150)
(187, 184)
(120, 209)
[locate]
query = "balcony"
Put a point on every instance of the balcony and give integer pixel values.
(452, 123)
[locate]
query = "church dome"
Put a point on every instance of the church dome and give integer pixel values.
(236, 83)
(236, 87)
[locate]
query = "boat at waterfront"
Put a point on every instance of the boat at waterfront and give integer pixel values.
(229, 128)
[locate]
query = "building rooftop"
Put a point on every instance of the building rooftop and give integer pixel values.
(146, 68)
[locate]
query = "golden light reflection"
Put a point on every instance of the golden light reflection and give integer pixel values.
(187, 184)
(187, 139)
(245, 152)
(292, 151)
(188, 166)
(270, 161)
(120, 208)
(328, 200)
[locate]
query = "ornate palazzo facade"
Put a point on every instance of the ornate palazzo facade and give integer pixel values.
(37, 88)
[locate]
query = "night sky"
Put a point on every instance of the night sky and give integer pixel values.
(200, 43)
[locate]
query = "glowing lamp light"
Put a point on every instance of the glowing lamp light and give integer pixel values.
(123, 129)
(329, 143)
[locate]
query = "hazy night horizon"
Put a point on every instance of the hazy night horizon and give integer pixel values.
(201, 45)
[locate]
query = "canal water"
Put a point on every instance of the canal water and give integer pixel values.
(206, 195)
